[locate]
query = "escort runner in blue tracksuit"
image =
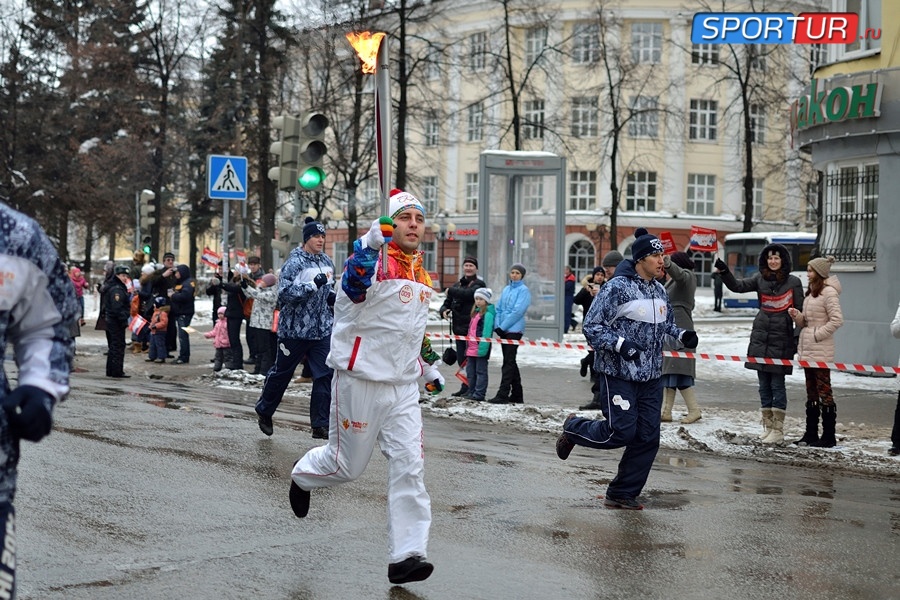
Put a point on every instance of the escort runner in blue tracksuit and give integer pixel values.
(305, 319)
(37, 310)
(626, 326)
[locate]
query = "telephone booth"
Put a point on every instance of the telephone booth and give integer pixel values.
(522, 220)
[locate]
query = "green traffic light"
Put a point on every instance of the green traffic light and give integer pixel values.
(311, 178)
(146, 249)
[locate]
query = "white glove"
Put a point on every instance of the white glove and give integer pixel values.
(434, 381)
(375, 237)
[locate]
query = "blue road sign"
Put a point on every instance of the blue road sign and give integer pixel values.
(226, 177)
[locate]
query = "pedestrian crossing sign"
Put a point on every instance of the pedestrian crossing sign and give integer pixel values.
(226, 177)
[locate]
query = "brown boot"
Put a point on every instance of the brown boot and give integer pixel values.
(135, 347)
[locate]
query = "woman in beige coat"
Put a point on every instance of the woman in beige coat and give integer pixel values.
(820, 319)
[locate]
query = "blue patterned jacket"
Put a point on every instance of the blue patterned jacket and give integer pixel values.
(304, 313)
(37, 311)
(629, 307)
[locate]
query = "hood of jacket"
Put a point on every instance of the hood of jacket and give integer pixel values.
(786, 266)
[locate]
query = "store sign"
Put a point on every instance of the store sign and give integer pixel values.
(466, 233)
(838, 104)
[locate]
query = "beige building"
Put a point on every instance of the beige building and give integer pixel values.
(679, 160)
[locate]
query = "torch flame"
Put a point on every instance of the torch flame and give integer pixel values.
(366, 45)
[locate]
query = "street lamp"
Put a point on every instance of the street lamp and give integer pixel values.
(596, 231)
(442, 233)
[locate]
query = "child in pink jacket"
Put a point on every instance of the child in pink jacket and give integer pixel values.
(219, 336)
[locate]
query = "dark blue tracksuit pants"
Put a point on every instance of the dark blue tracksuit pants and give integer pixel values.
(290, 354)
(632, 411)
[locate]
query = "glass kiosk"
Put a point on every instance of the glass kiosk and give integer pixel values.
(521, 210)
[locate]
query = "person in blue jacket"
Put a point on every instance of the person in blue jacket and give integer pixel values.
(510, 325)
(305, 320)
(37, 310)
(628, 322)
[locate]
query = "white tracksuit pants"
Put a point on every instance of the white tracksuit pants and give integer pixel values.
(363, 412)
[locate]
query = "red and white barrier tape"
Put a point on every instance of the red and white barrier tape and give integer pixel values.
(695, 355)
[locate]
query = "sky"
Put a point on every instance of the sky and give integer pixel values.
(720, 432)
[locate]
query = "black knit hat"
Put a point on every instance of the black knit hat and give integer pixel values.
(311, 228)
(645, 244)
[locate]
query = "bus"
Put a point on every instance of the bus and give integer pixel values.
(742, 257)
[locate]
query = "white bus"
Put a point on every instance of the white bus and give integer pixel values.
(742, 257)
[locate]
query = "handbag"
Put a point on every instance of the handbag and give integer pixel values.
(101, 323)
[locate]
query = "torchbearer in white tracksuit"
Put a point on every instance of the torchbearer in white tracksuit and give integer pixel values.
(378, 353)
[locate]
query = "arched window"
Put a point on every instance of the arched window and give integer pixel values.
(581, 258)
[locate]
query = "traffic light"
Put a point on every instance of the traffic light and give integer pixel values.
(148, 208)
(289, 236)
(145, 247)
(312, 151)
(287, 150)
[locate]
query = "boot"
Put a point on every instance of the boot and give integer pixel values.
(811, 437)
(829, 417)
(776, 435)
(135, 347)
(668, 402)
(690, 399)
(766, 422)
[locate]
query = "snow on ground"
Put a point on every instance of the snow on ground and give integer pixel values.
(721, 432)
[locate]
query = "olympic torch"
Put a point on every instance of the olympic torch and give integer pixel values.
(372, 49)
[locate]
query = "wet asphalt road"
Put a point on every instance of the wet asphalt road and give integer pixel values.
(165, 488)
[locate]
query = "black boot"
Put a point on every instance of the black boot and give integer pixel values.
(829, 418)
(811, 437)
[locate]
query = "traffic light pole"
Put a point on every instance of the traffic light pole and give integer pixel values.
(137, 219)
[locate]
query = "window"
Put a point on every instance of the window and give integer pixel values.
(646, 42)
(535, 42)
(371, 195)
(645, 118)
(703, 120)
(640, 191)
(757, 58)
(868, 37)
(533, 115)
(339, 254)
(758, 208)
(584, 117)
(705, 54)
(581, 258)
(812, 204)
(532, 192)
(478, 51)
(582, 189)
(431, 70)
(585, 43)
(701, 194)
(430, 194)
(818, 56)
(429, 260)
(476, 121)
(471, 192)
(757, 123)
(432, 131)
(851, 212)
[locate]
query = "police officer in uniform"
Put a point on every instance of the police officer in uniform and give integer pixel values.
(118, 309)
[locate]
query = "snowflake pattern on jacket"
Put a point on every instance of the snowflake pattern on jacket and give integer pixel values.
(37, 310)
(304, 313)
(637, 310)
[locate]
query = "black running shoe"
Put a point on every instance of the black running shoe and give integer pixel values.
(320, 433)
(412, 569)
(265, 424)
(623, 503)
(564, 446)
(299, 500)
